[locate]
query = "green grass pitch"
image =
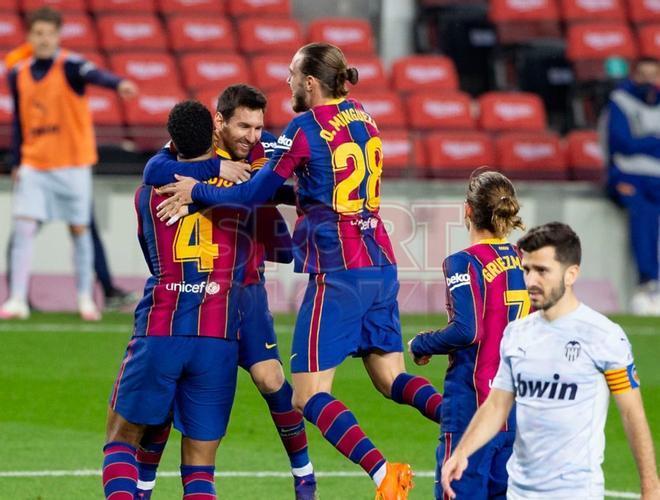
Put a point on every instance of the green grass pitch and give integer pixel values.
(56, 375)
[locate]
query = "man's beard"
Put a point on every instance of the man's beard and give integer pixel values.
(555, 296)
(298, 101)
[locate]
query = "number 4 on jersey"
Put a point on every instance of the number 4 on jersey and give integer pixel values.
(194, 242)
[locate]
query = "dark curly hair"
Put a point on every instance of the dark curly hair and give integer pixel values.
(190, 126)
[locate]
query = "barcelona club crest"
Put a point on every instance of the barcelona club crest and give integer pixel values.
(572, 350)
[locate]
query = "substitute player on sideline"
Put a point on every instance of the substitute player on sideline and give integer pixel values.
(183, 357)
(239, 122)
(560, 365)
(350, 306)
(485, 291)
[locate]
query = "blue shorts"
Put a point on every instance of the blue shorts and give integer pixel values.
(257, 334)
(346, 313)
(192, 377)
(485, 477)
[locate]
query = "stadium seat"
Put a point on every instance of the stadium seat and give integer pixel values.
(521, 21)
(592, 10)
(385, 107)
(208, 97)
(531, 155)
(146, 116)
(585, 155)
(352, 36)
(8, 6)
(502, 111)
(401, 153)
(371, 73)
(644, 11)
(201, 33)
(589, 44)
(65, 6)
(96, 58)
(450, 110)
(239, 8)
(187, 7)
(122, 6)
(106, 113)
(11, 32)
(150, 70)
(432, 72)
(130, 33)
(78, 33)
(456, 154)
(278, 111)
(6, 115)
(215, 71)
(270, 72)
(649, 40)
(263, 35)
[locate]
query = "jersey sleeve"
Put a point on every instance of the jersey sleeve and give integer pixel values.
(613, 356)
(504, 377)
(465, 310)
(291, 150)
(161, 167)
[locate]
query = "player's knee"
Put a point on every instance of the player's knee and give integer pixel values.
(300, 399)
(121, 430)
(267, 376)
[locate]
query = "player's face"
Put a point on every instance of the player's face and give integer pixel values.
(241, 132)
(44, 38)
(296, 82)
(544, 277)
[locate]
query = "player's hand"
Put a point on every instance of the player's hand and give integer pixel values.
(235, 171)
(419, 360)
(180, 194)
(452, 470)
(127, 89)
(183, 211)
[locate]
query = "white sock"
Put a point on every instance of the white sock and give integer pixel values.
(380, 474)
(303, 471)
(22, 247)
(83, 262)
(146, 485)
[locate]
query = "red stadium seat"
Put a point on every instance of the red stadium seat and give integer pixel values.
(352, 36)
(531, 155)
(238, 8)
(60, 5)
(200, 33)
(6, 116)
(451, 110)
(649, 40)
(500, 111)
(8, 6)
(78, 33)
(589, 44)
(371, 74)
(518, 21)
(130, 32)
(585, 155)
(146, 116)
(413, 73)
(208, 97)
(401, 153)
(106, 113)
(191, 7)
(456, 154)
(12, 33)
(644, 11)
(149, 70)
(384, 106)
(214, 71)
(122, 6)
(278, 111)
(592, 10)
(270, 72)
(263, 35)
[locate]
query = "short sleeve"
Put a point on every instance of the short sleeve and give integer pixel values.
(613, 356)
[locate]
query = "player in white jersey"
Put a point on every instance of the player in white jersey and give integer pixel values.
(559, 365)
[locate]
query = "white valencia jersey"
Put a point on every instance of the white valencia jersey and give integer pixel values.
(562, 373)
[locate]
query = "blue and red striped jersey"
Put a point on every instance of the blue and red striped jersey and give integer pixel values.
(485, 291)
(197, 267)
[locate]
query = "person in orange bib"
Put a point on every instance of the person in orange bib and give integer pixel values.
(54, 148)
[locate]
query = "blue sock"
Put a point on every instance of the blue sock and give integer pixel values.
(119, 471)
(198, 482)
(417, 392)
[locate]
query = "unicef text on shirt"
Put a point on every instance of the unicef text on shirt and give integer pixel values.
(210, 288)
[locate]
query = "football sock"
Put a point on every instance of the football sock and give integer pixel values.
(418, 392)
(21, 251)
(83, 262)
(119, 471)
(198, 482)
(149, 455)
(290, 425)
(339, 426)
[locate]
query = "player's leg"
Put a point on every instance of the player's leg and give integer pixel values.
(198, 468)
(473, 484)
(383, 343)
(119, 457)
(259, 354)
(149, 454)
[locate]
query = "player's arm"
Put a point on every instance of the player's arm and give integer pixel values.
(163, 166)
(621, 139)
(464, 327)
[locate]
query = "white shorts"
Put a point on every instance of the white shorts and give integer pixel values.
(58, 194)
